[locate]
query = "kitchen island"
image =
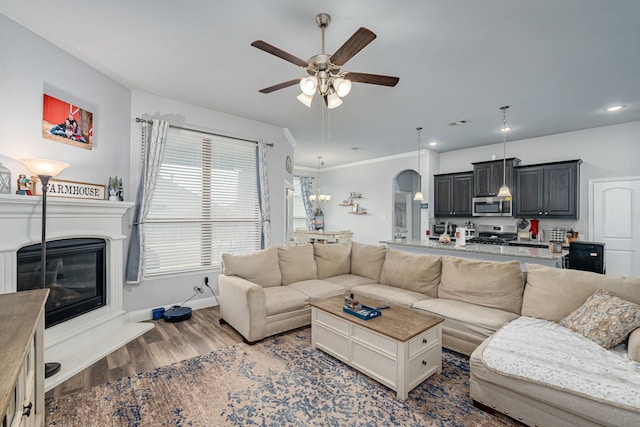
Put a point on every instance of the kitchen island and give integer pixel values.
(482, 252)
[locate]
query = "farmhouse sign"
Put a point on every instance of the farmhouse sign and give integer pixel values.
(72, 189)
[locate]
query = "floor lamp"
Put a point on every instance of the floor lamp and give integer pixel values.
(45, 170)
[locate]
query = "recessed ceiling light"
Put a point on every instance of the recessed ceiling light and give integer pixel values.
(356, 148)
(507, 129)
(433, 143)
(458, 123)
(614, 108)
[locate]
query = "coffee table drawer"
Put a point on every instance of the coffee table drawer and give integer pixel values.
(331, 342)
(425, 340)
(375, 364)
(423, 365)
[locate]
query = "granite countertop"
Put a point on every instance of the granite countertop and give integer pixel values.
(509, 251)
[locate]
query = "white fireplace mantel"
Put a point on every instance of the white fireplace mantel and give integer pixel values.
(79, 342)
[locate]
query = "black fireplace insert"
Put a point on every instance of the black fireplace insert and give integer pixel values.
(75, 276)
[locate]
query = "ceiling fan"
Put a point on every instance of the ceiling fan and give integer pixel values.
(325, 77)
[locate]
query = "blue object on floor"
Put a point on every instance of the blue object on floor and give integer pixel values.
(157, 313)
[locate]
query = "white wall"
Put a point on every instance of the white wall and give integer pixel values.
(154, 292)
(374, 179)
(30, 66)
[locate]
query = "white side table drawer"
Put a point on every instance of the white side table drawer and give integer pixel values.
(424, 365)
(425, 340)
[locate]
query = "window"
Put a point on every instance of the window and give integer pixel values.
(205, 203)
(299, 214)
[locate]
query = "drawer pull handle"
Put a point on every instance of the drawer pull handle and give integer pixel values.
(424, 340)
(424, 362)
(27, 409)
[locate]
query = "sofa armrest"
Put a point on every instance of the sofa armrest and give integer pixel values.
(242, 305)
(633, 348)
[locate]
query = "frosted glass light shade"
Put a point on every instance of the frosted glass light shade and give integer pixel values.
(308, 85)
(419, 196)
(504, 191)
(333, 101)
(342, 86)
(305, 99)
(42, 167)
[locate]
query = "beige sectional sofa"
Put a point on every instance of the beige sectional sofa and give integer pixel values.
(268, 292)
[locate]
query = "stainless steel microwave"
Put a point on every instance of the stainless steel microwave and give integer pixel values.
(492, 206)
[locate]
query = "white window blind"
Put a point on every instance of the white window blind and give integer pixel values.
(205, 203)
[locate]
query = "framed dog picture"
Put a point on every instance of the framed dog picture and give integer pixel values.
(67, 123)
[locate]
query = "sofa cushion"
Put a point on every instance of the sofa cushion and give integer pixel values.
(476, 319)
(283, 299)
(414, 272)
(605, 319)
(490, 284)
(259, 267)
(348, 281)
(317, 289)
(333, 260)
(553, 293)
(367, 260)
(297, 263)
(389, 294)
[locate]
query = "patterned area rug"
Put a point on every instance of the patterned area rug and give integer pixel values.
(280, 381)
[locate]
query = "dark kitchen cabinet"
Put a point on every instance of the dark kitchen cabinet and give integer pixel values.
(548, 190)
(452, 194)
(488, 176)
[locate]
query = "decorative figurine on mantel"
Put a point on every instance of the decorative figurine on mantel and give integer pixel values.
(24, 185)
(115, 189)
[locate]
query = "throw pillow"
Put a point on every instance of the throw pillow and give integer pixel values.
(297, 263)
(259, 267)
(604, 318)
(333, 260)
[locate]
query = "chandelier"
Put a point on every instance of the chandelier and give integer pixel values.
(317, 195)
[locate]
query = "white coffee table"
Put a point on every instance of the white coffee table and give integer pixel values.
(399, 349)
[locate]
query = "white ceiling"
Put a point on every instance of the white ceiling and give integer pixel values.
(557, 63)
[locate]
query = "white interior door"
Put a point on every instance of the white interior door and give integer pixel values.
(614, 215)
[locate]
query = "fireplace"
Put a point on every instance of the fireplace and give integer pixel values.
(84, 338)
(75, 276)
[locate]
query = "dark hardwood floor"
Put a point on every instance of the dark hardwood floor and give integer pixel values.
(166, 343)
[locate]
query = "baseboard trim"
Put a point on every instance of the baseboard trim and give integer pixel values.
(146, 314)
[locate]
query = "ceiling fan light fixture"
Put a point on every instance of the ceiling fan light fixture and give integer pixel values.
(308, 85)
(342, 86)
(305, 99)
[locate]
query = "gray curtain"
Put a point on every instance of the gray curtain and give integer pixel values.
(154, 137)
(306, 189)
(263, 194)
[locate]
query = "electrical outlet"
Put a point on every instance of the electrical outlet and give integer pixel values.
(198, 289)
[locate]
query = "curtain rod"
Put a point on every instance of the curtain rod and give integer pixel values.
(140, 120)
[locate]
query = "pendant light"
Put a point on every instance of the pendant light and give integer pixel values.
(504, 191)
(419, 196)
(318, 196)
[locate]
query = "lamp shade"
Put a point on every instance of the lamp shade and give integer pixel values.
(419, 196)
(42, 167)
(342, 86)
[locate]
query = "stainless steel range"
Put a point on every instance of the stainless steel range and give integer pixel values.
(495, 234)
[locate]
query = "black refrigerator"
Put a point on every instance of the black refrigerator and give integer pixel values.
(587, 256)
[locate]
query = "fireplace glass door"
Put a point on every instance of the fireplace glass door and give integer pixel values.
(75, 276)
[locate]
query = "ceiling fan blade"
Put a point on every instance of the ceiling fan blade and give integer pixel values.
(355, 44)
(262, 45)
(279, 86)
(374, 79)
